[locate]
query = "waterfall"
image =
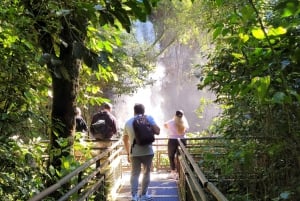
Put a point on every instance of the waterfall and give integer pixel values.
(175, 88)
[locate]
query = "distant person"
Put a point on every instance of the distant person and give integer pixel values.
(139, 155)
(176, 127)
(81, 125)
(104, 124)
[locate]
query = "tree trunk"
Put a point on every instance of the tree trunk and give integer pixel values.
(63, 116)
(65, 87)
(64, 72)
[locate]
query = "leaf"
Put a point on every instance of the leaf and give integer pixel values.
(237, 55)
(4, 116)
(93, 89)
(137, 11)
(66, 164)
(114, 76)
(260, 85)
(277, 31)
(258, 33)
(219, 2)
(294, 93)
(217, 32)
(123, 18)
(108, 46)
(148, 7)
(287, 12)
(52, 170)
(289, 9)
(247, 13)
(244, 37)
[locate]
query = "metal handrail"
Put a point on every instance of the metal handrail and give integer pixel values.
(79, 171)
(195, 173)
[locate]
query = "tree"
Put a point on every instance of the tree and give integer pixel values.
(253, 70)
(44, 45)
(69, 33)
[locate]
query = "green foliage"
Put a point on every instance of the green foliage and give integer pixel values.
(126, 70)
(23, 170)
(35, 37)
(253, 69)
(23, 108)
(24, 85)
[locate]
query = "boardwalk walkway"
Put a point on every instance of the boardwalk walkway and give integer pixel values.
(161, 188)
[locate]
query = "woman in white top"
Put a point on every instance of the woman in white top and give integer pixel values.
(177, 127)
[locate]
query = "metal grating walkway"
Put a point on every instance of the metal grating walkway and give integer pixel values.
(161, 188)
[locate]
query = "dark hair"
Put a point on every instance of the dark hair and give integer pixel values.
(179, 113)
(139, 108)
(107, 106)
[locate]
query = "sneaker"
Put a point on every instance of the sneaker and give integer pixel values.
(135, 198)
(146, 198)
(170, 176)
(173, 175)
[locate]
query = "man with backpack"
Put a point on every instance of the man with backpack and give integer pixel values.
(103, 124)
(139, 149)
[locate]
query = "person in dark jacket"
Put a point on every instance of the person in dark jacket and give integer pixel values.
(104, 123)
(81, 125)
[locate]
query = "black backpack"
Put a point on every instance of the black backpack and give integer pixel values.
(80, 125)
(102, 126)
(143, 131)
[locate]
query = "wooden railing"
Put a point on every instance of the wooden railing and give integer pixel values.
(90, 179)
(193, 185)
(101, 176)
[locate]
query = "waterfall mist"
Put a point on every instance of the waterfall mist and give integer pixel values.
(175, 88)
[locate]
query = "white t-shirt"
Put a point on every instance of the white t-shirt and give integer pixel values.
(172, 130)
